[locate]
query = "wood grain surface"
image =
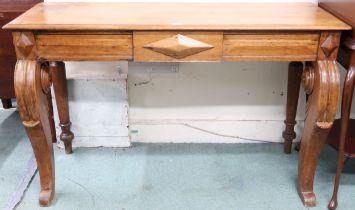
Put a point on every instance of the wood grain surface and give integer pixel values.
(84, 46)
(270, 46)
(142, 39)
(177, 16)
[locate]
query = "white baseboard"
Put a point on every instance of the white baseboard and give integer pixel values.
(230, 131)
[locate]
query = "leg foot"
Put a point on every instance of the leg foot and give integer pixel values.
(333, 204)
(45, 197)
(61, 97)
(308, 199)
(293, 89)
(67, 136)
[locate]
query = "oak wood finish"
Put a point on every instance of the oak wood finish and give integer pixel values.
(321, 83)
(321, 110)
(84, 46)
(295, 71)
(144, 43)
(25, 45)
(327, 50)
(51, 117)
(268, 46)
(177, 16)
(288, 32)
(57, 70)
(178, 46)
(33, 107)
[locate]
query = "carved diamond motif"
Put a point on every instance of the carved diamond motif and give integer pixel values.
(329, 45)
(178, 46)
(24, 44)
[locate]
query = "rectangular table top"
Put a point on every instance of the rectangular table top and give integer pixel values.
(177, 16)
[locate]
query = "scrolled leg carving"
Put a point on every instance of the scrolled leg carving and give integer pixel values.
(321, 81)
(30, 89)
(308, 79)
(61, 97)
(293, 90)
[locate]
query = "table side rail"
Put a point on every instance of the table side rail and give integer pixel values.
(175, 46)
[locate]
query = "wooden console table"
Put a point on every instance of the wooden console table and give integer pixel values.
(171, 32)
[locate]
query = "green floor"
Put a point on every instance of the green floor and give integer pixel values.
(169, 176)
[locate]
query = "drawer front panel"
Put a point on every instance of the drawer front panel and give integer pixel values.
(69, 47)
(177, 46)
(270, 46)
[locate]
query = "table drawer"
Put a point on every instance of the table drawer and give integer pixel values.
(270, 46)
(177, 46)
(81, 46)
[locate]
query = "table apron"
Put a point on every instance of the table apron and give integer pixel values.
(176, 46)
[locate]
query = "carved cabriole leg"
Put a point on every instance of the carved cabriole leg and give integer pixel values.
(348, 92)
(32, 82)
(321, 82)
(293, 90)
(61, 96)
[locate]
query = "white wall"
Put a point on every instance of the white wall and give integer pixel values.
(197, 102)
(98, 104)
(242, 99)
